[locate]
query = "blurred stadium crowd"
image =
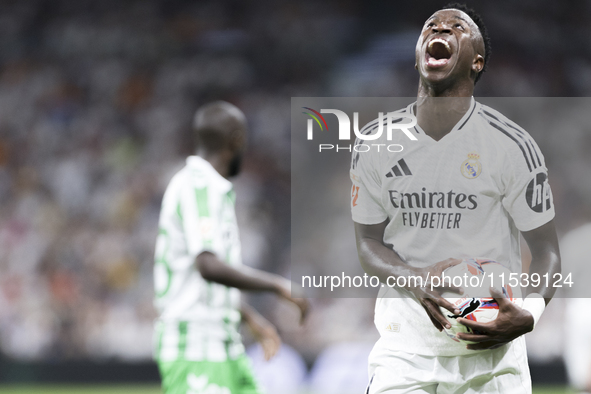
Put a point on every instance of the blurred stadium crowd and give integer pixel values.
(96, 103)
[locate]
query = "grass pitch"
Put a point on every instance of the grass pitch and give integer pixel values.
(80, 389)
(155, 389)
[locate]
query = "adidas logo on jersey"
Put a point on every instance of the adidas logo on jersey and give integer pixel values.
(400, 169)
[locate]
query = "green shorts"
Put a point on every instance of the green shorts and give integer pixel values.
(196, 377)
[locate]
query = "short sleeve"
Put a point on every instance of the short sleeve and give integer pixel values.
(366, 207)
(527, 195)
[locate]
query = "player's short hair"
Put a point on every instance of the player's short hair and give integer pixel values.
(478, 21)
(215, 123)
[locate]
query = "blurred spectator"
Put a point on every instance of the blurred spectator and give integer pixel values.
(284, 373)
(575, 249)
(341, 369)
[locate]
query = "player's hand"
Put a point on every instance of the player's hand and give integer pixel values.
(304, 305)
(511, 323)
(270, 341)
(265, 333)
(430, 298)
(284, 291)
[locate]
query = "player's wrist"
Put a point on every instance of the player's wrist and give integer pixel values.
(525, 322)
(416, 272)
(281, 288)
(534, 304)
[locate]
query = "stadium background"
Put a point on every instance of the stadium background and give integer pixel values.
(96, 101)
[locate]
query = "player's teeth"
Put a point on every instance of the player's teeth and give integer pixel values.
(433, 41)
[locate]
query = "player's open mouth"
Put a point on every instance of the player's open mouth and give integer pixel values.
(438, 53)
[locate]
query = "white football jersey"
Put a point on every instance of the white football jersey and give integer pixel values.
(466, 195)
(198, 319)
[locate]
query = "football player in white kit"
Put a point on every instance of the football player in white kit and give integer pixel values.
(467, 187)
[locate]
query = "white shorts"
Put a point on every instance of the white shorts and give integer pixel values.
(503, 370)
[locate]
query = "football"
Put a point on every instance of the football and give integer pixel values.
(477, 275)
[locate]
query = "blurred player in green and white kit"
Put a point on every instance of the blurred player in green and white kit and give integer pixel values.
(198, 271)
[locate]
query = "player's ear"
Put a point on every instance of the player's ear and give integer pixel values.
(478, 63)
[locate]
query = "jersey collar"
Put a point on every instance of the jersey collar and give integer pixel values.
(199, 163)
(459, 126)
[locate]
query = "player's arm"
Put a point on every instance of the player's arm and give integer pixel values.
(264, 332)
(512, 320)
(213, 269)
(527, 197)
(379, 259)
(543, 244)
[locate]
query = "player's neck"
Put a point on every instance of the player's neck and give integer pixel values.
(217, 161)
(439, 110)
(463, 87)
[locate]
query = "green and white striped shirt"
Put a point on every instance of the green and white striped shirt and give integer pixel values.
(198, 319)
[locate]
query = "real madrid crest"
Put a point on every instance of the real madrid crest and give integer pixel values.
(471, 167)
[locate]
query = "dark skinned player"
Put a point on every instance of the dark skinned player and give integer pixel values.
(469, 186)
